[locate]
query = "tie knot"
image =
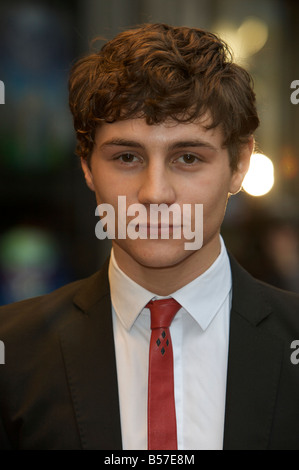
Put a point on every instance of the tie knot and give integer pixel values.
(162, 312)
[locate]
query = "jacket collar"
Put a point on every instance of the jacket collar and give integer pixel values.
(253, 366)
(254, 363)
(89, 356)
(93, 290)
(248, 298)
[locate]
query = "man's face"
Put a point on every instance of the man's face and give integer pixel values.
(168, 163)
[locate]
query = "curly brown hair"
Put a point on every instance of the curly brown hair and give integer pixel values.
(158, 72)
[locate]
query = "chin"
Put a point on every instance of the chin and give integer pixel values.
(157, 253)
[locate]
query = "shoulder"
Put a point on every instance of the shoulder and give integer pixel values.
(53, 309)
(284, 306)
(260, 302)
(42, 304)
(279, 298)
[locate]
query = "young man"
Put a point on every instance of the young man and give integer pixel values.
(163, 117)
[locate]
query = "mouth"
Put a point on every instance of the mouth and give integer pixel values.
(159, 229)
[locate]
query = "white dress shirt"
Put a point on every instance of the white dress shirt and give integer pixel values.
(200, 335)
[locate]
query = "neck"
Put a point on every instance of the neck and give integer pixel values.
(166, 280)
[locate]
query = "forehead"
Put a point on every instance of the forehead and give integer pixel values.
(166, 133)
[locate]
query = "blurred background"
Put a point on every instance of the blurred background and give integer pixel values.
(47, 224)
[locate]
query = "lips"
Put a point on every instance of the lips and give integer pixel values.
(156, 230)
(159, 226)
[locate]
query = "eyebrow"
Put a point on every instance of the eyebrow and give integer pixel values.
(173, 146)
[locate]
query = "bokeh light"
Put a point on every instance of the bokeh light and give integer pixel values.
(260, 177)
(247, 39)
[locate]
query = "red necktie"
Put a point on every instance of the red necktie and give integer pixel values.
(162, 432)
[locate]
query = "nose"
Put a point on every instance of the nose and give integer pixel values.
(156, 186)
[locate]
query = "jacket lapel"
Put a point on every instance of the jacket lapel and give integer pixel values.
(253, 367)
(88, 349)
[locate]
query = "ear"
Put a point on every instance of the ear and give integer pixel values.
(87, 174)
(243, 165)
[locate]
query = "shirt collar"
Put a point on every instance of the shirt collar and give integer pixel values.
(128, 298)
(201, 298)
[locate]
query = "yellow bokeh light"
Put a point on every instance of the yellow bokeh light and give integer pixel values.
(260, 177)
(245, 40)
(252, 36)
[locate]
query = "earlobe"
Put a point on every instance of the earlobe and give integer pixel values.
(87, 174)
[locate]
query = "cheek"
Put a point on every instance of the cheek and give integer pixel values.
(211, 191)
(214, 197)
(110, 184)
(105, 187)
(113, 193)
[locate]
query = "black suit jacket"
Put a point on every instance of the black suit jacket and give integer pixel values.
(58, 386)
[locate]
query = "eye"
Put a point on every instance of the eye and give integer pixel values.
(127, 157)
(188, 159)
